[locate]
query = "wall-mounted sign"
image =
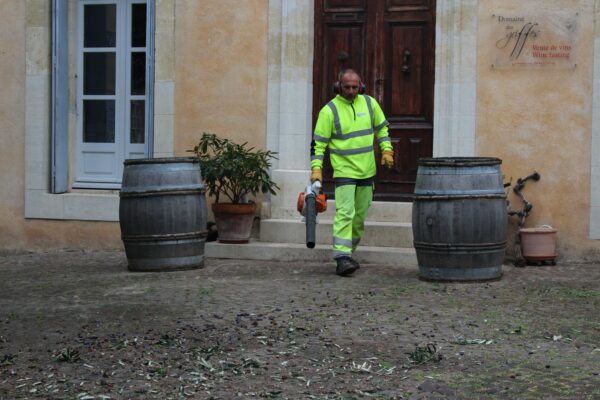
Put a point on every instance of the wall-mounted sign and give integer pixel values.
(544, 40)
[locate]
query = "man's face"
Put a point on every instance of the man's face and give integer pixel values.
(350, 84)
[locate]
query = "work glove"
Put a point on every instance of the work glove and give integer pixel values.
(387, 158)
(316, 175)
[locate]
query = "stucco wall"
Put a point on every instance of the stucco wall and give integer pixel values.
(212, 75)
(24, 40)
(540, 119)
(221, 71)
(12, 119)
(211, 62)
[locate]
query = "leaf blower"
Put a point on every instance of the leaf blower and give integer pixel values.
(310, 202)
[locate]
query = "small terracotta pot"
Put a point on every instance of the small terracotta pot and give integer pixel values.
(538, 244)
(234, 221)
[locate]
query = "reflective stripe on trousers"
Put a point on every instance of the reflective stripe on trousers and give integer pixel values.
(352, 202)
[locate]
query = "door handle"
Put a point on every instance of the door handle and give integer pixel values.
(406, 61)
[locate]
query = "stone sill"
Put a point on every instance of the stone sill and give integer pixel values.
(72, 206)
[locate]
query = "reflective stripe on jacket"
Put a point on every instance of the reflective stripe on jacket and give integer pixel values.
(349, 129)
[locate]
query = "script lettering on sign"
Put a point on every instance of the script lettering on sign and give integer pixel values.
(547, 40)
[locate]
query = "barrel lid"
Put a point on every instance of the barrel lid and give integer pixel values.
(164, 160)
(459, 161)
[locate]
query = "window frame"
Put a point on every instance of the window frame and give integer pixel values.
(120, 148)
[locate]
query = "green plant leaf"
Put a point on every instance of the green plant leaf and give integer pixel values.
(234, 171)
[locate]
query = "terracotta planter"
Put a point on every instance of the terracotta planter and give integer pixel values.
(234, 221)
(538, 244)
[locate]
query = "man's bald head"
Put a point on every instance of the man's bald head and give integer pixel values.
(346, 72)
(349, 84)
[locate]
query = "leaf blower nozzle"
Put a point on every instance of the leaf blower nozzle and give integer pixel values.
(310, 202)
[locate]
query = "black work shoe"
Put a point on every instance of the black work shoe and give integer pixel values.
(356, 264)
(345, 266)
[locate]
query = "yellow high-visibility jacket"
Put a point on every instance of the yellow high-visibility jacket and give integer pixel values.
(349, 130)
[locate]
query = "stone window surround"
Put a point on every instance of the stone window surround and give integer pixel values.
(454, 123)
(94, 205)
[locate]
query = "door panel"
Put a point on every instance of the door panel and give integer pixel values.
(397, 184)
(391, 44)
(405, 54)
(407, 5)
(343, 47)
(345, 5)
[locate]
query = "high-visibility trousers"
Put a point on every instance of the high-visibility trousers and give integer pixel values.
(352, 201)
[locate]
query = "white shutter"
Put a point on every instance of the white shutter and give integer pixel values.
(60, 97)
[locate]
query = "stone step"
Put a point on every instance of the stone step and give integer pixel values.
(380, 234)
(387, 239)
(380, 211)
(269, 251)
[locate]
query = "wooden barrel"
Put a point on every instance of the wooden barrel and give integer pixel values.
(459, 219)
(162, 213)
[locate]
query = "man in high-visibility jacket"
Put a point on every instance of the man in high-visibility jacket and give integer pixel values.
(348, 125)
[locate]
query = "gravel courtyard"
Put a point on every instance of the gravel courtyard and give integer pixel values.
(79, 325)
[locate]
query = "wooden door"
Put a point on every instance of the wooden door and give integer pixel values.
(391, 44)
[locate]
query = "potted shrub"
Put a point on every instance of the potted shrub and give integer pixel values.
(232, 172)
